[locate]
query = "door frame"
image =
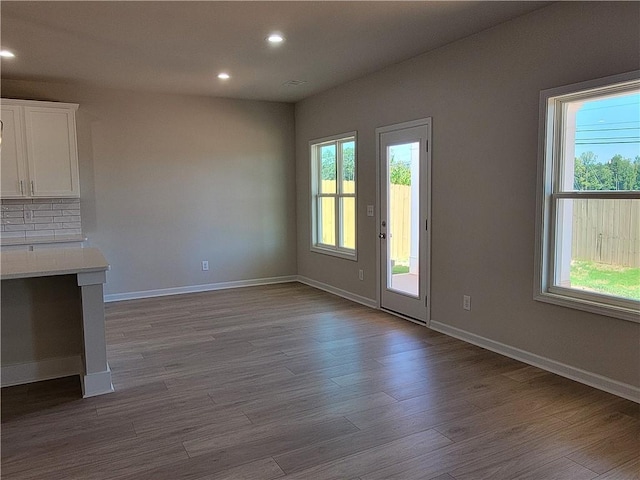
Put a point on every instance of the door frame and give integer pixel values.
(426, 121)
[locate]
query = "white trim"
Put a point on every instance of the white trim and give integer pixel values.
(116, 297)
(600, 382)
(403, 125)
(38, 103)
(367, 302)
(593, 302)
(47, 369)
(335, 252)
(94, 384)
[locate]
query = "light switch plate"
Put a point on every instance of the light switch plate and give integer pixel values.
(369, 210)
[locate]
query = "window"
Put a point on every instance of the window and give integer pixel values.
(588, 228)
(333, 195)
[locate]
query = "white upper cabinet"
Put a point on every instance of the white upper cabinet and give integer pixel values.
(39, 150)
(13, 171)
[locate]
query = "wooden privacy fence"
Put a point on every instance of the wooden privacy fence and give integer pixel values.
(400, 222)
(607, 231)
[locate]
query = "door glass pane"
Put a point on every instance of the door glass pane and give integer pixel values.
(403, 216)
(597, 246)
(327, 220)
(348, 227)
(348, 167)
(328, 168)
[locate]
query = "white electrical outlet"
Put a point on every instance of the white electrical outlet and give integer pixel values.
(466, 302)
(28, 214)
(205, 265)
(361, 274)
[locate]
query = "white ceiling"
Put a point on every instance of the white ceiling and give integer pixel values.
(181, 46)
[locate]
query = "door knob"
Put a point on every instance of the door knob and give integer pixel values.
(382, 235)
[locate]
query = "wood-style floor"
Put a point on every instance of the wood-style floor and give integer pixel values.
(286, 381)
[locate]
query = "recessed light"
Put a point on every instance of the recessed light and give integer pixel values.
(275, 38)
(224, 76)
(6, 54)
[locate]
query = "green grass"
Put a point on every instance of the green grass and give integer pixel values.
(400, 269)
(608, 279)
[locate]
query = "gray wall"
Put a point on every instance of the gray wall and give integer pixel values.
(482, 93)
(167, 181)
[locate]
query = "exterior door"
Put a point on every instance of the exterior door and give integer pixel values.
(405, 192)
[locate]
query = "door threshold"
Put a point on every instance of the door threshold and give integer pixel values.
(404, 317)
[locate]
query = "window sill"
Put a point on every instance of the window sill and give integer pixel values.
(335, 253)
(623, 313)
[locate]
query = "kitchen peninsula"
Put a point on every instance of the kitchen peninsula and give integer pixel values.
(53, 317)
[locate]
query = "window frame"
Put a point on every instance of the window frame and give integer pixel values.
(315, 178)
(550, 193)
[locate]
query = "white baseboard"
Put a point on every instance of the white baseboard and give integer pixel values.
(116, 297)
(600, 382)
(47, 369)
(368, 302)
(95, 384)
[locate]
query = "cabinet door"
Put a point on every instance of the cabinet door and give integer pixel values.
(12, 154)
(52, 152)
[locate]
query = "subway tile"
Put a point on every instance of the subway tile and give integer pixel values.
(17, 228)
(13, 214)
(38, 206)
(47, 226)
(40, 233)
(12, 208)
(69, 231)
(40, 220)
(72, 225)
(69, 218)
(16, 201)
(49, 216)
(13, 235)
(46, 213)
(12, 221)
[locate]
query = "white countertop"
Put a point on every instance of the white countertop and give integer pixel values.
(51, 261)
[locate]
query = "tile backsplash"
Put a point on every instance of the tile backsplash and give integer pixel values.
(41, 217)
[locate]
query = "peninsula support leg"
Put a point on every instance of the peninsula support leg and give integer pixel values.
(96, 379)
